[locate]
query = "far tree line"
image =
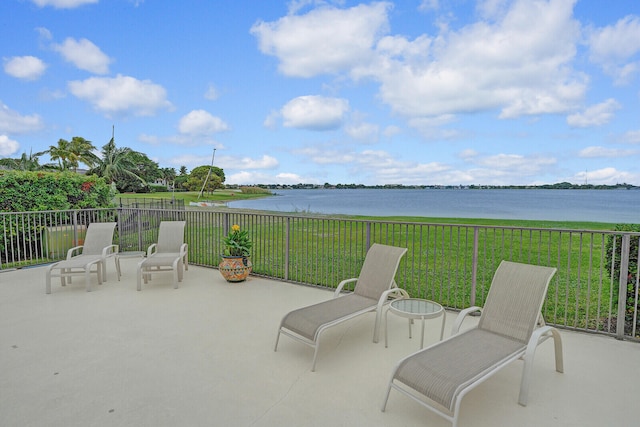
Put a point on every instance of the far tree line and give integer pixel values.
(128, 170)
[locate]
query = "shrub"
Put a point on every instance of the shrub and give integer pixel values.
(43, 191)
(630, 305)
(157, 188)
(40, 191)
(255, 190)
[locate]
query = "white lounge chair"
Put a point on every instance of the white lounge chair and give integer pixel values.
(98, 246)
(169, 255)
(372, 291)
(510, 327)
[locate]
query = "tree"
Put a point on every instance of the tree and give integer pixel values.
(180, 182)
(116, 163)
(198, 176)
(81, 150)
(146, 171)
(26, 163)
(168, 175)
(61, 153)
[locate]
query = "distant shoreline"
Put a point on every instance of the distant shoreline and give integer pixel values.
(559, 186)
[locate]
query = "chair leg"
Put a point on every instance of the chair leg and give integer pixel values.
(277, 339)
(139, 278)
(48, 280)
(386, 396)
(99, 274)
(541, 333)
(87, 277)
(315, 355)
(103, 265)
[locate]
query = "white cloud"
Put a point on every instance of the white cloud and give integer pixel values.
(84, 54)
(596, 115)
(510, 63)
(44, 34)
(189, 160)
(631, 137)
(243, 163)
(326, 40)
(271, 121)
(283, 178)
(516, 64)
(212, 93)
(121, 95)
(12, 122)
(468, 154)
(602, 152)
(201, 122)
(149, 139)
(8, 146)
(391, 131)
(606, 176)
(426, 5)
(327, 155)
(362, 131)
(516, 163)
(614, 46)
(24, 67)
(63, 4)
(314, 112)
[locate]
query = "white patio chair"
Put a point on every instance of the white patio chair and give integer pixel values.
(372, 291)
(168, 255)
(510, 327)
(98, 246)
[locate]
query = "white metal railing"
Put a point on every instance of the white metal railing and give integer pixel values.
(595, 289)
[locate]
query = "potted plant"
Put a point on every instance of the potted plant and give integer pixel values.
(236, 264)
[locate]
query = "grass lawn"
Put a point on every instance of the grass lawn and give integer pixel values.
(192, 196)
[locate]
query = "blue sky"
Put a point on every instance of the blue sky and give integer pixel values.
(307, 91)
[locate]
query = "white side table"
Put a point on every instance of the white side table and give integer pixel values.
(415, 308)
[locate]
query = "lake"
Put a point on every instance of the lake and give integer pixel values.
(611, 206)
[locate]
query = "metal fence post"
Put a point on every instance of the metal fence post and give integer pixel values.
(474, 265)
(622, 289)
(287, 230)
(368, 237)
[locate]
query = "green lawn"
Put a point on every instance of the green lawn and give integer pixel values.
(193, 196)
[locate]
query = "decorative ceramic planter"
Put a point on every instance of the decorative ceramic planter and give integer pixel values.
(235, 268)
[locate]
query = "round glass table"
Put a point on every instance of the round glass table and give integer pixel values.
(415, 308)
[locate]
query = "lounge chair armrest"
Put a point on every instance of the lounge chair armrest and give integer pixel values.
(110, 250)
(184, 248)
(461, 316)
(151, 249)
(394, 292)
(72, 252)
(341, 285)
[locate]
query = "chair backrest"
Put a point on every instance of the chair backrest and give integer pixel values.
(99, 236)
(378, 270)
(170, 236)
(515, 299)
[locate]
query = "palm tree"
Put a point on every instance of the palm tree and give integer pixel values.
(70, 154)
(60, 153)
(168, 175)
(115, 163)
(81, 150)
(25, 163)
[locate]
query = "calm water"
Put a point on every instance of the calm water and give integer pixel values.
(614, 206)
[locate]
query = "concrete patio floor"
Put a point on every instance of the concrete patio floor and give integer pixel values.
(202, 355)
